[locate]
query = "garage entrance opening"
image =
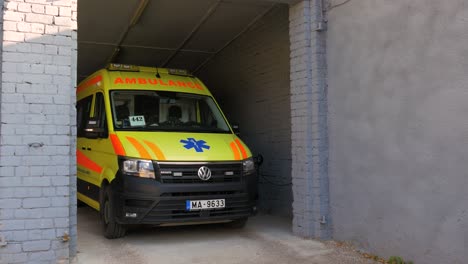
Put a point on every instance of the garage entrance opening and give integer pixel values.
(239, 49)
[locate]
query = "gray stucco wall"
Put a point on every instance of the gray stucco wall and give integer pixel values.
(399, 128)
(250, 80)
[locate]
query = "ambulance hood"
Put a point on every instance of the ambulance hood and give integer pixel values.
(179, 146)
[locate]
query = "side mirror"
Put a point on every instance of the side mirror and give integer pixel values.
(235, 128)
(258, 160)
(93, 130)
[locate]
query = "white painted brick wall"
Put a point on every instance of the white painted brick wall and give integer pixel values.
(250, 80)
(309, 121)
(38, 87)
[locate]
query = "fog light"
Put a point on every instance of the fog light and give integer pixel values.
(131, 215)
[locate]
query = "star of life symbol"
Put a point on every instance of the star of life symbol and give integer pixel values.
(198, 145)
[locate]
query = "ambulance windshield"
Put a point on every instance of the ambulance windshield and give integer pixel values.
(166, 111)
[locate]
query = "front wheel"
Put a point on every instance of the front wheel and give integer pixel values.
(112, 229)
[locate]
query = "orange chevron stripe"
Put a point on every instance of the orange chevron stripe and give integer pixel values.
(139, 147)
(235, 150)
(86, 162)
(89, 83)
(156, 150)
(118, 148)
(242, 149)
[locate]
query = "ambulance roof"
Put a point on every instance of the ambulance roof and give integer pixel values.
(129, 77)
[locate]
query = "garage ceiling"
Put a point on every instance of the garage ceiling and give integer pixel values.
(164, 33)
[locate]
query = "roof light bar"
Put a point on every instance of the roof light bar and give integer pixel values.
(122, 67)
(178, 72)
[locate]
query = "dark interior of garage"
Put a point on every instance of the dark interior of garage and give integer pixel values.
(239, 49)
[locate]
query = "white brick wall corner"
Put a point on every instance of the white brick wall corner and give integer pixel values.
(38, 60)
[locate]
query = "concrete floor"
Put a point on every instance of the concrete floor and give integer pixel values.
(265, 239)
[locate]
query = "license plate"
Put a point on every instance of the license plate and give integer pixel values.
(204, 204)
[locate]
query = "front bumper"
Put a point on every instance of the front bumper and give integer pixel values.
(147, 201)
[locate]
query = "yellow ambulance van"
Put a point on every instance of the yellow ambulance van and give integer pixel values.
(154, 148)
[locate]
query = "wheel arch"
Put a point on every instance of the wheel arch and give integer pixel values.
(107, 176)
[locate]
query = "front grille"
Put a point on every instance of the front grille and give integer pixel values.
(188, 173)
(173, 209)
(218, 193)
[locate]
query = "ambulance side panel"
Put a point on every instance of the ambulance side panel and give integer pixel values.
(96, 159)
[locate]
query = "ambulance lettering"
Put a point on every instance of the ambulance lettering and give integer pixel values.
(130, 80)
(154, 81)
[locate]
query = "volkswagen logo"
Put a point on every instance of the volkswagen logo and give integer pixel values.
(204, 173)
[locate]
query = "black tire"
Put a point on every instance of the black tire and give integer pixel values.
(79, 203)
(237, 224)
(111, 228)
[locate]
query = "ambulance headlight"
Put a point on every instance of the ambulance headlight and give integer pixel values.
(139, 168)
(248, 166)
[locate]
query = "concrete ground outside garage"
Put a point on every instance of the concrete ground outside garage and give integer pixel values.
(266, 239)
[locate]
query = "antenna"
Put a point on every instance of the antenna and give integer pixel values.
(157, 73)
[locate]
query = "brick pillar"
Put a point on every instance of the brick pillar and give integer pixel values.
(38, 61)
(72, 155)
(309, 131)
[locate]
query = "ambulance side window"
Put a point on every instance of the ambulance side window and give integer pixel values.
(100, 112)
(83, 109)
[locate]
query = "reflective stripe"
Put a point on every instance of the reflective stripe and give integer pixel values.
(89, 83)
(156, 150)
(242, 149)
(84, 161)
(139, 147)
(235, 151)
(118, 148)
